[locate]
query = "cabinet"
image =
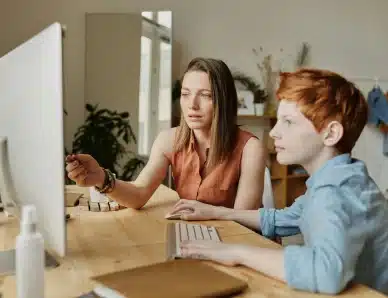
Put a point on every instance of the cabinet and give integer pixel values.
(288, 181)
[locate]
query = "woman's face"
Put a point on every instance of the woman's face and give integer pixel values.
(196, 100)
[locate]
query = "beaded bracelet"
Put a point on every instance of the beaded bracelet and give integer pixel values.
(109, 182)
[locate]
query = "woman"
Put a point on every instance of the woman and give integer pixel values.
(212, 160)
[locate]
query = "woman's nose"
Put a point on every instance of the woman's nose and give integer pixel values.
(194, 103)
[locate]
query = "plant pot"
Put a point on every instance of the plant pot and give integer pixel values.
(259, 109)
(97, 197)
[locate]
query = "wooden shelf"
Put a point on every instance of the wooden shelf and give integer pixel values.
(254, 117)
(292, 176)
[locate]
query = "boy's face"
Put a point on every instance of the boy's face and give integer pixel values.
(296, 139)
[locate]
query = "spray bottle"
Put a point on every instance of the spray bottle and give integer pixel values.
(29, 257)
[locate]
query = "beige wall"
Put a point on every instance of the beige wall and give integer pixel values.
(112, 63)
(346, 36)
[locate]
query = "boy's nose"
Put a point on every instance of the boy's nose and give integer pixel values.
(273, 132)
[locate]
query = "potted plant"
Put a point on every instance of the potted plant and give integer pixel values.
(105, 135)
(259, 95)
(259, 100)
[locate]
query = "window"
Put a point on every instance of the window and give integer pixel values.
(155, 79)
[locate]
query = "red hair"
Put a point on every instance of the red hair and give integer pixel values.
(324, 96)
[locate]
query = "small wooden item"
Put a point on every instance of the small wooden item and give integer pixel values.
(114, 206)
(94, 206)
(104, 207)
(86, 205)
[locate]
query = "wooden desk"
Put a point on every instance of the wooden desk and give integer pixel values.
(102, 242)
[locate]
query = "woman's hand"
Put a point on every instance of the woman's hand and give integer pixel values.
(84, 170)
(194, 210)
(226, 254)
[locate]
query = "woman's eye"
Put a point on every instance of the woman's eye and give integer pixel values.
(184, 94)
(288, 122)
(205, 95)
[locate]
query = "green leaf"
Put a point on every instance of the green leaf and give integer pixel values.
(90, 108)
(124, 115)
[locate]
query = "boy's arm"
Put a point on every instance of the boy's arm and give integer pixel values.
(336, 238)
(281, 222)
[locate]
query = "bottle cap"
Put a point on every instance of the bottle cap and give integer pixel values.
(29, 215)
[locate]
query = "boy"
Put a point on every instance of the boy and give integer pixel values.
(343, 216)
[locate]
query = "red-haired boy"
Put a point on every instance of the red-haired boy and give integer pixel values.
(343, 216)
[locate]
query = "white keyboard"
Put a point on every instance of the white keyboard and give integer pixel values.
(180, 231)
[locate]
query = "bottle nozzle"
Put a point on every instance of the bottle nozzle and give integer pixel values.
(29, 214)
(29, 219)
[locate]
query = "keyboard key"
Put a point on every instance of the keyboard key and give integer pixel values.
(198, 232)
(190, 229)
(213, 234)
(205, 232)
(184, 233)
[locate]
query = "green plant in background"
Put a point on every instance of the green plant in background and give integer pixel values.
(105, 135)
(250, 84)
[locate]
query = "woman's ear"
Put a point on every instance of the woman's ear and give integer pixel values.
(333, 133)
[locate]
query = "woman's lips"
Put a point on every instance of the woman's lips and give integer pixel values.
(278, 148)
(194, 117)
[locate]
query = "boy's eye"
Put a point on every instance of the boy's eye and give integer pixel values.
(287, 121)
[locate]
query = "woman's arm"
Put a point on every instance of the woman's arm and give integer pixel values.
(251, 183)
(136, 194)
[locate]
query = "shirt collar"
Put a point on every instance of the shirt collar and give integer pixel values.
(337, 160)
(192, 143)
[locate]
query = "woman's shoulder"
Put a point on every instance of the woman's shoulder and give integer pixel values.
(249, 141)
(166, 138)
(243, 136)
(168, 133)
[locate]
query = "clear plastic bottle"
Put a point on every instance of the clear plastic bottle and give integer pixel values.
(29, 257)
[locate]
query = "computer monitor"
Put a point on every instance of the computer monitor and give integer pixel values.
(31, 133)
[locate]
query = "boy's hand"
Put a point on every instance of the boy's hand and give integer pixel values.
(226, 254)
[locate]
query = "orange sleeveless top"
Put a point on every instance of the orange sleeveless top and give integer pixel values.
(219, 187)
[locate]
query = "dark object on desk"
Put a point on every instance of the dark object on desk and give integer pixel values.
(8, 262)
(173, 279)
(88, 295)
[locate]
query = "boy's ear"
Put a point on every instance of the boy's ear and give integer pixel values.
(333, 133)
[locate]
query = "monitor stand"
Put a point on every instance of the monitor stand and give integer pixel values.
(8, 262)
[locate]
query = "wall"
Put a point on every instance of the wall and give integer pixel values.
(112, 65)
(345, 36)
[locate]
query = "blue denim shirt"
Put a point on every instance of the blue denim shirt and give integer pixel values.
(343, 218)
